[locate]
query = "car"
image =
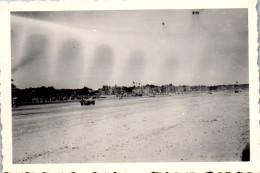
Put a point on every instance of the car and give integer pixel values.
(90, 101)
(151, 95)
(87, 102)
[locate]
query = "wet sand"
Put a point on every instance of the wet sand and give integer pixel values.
(188, 127)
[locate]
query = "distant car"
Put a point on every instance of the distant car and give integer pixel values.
(90, 101)
(87, 102)
(151, 95)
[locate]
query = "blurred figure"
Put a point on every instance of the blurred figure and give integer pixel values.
(81, 101)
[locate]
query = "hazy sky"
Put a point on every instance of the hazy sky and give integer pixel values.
(95, 48)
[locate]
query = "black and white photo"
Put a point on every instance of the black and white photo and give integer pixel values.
(129, 88)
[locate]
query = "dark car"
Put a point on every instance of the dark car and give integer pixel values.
(87, 102)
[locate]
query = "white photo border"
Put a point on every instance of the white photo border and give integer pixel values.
(5, 61)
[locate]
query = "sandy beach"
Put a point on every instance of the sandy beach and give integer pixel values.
(184, 127)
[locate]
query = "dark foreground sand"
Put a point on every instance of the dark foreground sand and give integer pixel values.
(191, 127)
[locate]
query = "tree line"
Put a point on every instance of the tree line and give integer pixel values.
(50, 94)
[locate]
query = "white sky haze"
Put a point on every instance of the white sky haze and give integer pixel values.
(95, 48)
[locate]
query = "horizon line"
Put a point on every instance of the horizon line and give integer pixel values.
(135, 86)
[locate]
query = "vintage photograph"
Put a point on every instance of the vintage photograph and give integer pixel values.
(128, 86)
